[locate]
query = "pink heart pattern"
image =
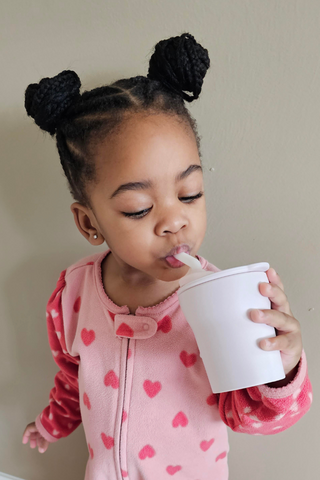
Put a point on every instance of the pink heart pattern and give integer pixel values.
(146, 451)
(124, 330)
(108, 441)
(165, 324)
(76, 306)
(90, 450)
(86, 401)
(222, 455)
(151, 388)
(212, 399)
(172, 470)
(180, 419)
(111, 379)
(188, 360)
(204, 445)
(87, 336)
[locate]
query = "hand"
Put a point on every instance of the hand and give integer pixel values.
(288, 339)
(36, 439)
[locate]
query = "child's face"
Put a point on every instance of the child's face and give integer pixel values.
(154, 149)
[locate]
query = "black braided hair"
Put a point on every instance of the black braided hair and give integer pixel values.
(81, 121)
(181, 64)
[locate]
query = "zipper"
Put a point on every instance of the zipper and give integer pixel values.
(123, 402)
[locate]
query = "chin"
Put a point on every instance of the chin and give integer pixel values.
(173, 275)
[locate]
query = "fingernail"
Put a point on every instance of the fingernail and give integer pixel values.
(267, 344)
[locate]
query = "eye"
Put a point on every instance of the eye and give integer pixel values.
(137, 214)
(143, 213)
(192, 199)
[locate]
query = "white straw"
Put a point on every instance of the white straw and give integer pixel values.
(192, 262)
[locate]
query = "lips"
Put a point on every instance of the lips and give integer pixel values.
(178, 249)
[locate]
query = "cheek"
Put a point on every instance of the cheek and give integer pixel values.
(200, 227)
(130, 236)
(202, 230)
(200, 219)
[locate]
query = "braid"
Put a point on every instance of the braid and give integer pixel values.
(181, 64)
(47, 114)
(81, 121)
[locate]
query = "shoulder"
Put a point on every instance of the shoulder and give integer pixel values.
(81, 272)
(76, 286)
(82, 266)
(207, 265)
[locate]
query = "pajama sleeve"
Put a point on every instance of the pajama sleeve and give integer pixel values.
(62, 416)
(264, 410)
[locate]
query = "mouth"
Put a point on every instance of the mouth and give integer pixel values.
(174, 262)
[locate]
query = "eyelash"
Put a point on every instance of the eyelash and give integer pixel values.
(138, 215)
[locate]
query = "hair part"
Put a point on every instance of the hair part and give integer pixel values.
(100, 113)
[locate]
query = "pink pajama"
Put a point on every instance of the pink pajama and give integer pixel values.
(138, 384)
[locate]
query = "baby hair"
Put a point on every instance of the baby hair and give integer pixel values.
(81, 121)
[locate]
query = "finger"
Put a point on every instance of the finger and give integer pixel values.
(42, 447)
(280, 321)
(278, 298)
(28, 431)
(25, 437)
(34, 436)
(33, 443)
(31, 427)
(273, 277)
(284, 343)
(28, 434)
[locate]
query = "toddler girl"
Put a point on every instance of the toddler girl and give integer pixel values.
(130, 368)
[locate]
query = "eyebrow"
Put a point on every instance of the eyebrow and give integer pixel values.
(144, 185)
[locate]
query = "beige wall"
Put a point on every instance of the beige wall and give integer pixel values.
(258, 115)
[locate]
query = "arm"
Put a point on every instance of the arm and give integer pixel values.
(272, 408)
(62, 416)
(268, 410)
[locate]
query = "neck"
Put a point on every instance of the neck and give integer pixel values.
(134, 291)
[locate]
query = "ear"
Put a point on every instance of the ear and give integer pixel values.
(86, 223)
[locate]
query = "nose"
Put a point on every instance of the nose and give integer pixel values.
(171, 220)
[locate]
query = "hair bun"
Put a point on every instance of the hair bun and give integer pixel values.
(48, 100)
(180, 63)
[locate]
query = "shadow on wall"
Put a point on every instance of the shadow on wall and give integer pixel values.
(30, 176)
(25, 392)
(31, 173)
(47, 242)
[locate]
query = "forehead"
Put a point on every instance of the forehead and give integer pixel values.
(145, 145)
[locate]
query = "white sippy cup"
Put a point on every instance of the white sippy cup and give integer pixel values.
(216, 307)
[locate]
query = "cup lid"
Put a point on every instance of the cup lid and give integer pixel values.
(208, 276)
